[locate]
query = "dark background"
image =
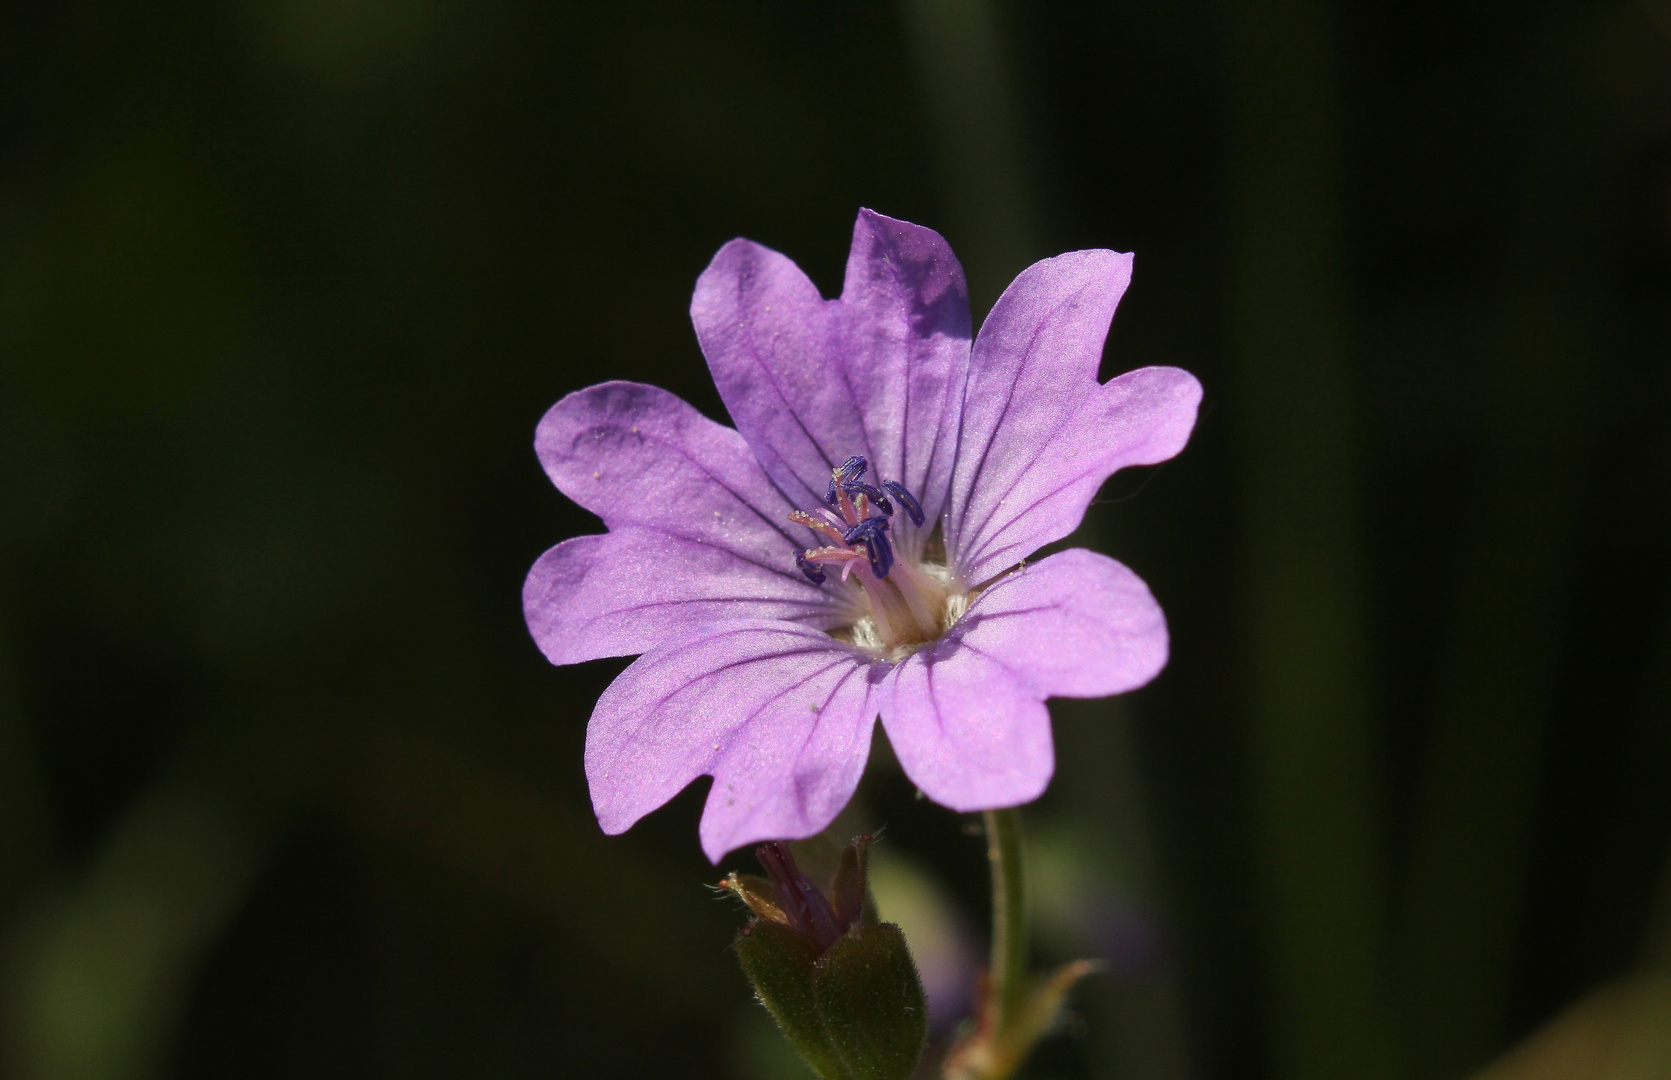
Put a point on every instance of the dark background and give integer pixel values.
(285, 788)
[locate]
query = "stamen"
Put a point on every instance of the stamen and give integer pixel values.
(830, 529)
(844, 503)
(853, 526)
(844, 555)
(842, 475)
(913, 508)
(873, 534)
(813, 574)
(858, 487)
(902, 612)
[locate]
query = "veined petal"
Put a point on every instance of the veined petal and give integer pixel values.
(1140, 418)
(1038, 435)
(966, 716)
(966, 729)
(879, 373)
(779, 714)
(638, 455)
(631, 589)
(1076, 624)
(906, 308)
(774, 347)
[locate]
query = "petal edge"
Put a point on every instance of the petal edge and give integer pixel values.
(775, 709)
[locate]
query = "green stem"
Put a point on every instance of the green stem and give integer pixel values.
(1017, 1010)
(1008, 974)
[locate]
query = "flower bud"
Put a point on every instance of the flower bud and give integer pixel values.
(840, 983)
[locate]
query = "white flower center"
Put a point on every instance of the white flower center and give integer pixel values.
(911, 608)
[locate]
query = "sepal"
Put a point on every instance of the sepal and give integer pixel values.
(783, 967)
(872, 1002)
(840, 983)
(850, 888)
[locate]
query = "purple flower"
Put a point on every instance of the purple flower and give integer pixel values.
(856, 545)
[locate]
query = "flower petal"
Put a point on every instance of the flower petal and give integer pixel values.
(638, 455)
(1038, 435)
(906, 307)
(1076, 624)
(774, 347)
(810, 382)
(1140, 418)
(966, 716)
(631, 589)
(966, 729)
(780, 715)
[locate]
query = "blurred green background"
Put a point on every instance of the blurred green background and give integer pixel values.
(286, 790)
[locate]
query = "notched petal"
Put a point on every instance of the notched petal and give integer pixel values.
(1076, 624)
(969, 731)
(906, 307)
(966, 716)
(1140, 418)
(638, 455)
(779, 714)
(774, 347)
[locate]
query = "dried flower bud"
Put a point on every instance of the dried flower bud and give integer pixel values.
(841, 984)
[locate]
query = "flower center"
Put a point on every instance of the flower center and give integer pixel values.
(904, 605)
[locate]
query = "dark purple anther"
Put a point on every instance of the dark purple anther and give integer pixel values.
(813, 574)
(859, 487)
(798, 898)
(873, 534)
(850, 496)
(913, 508)
(851, 469)
(856, 533)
